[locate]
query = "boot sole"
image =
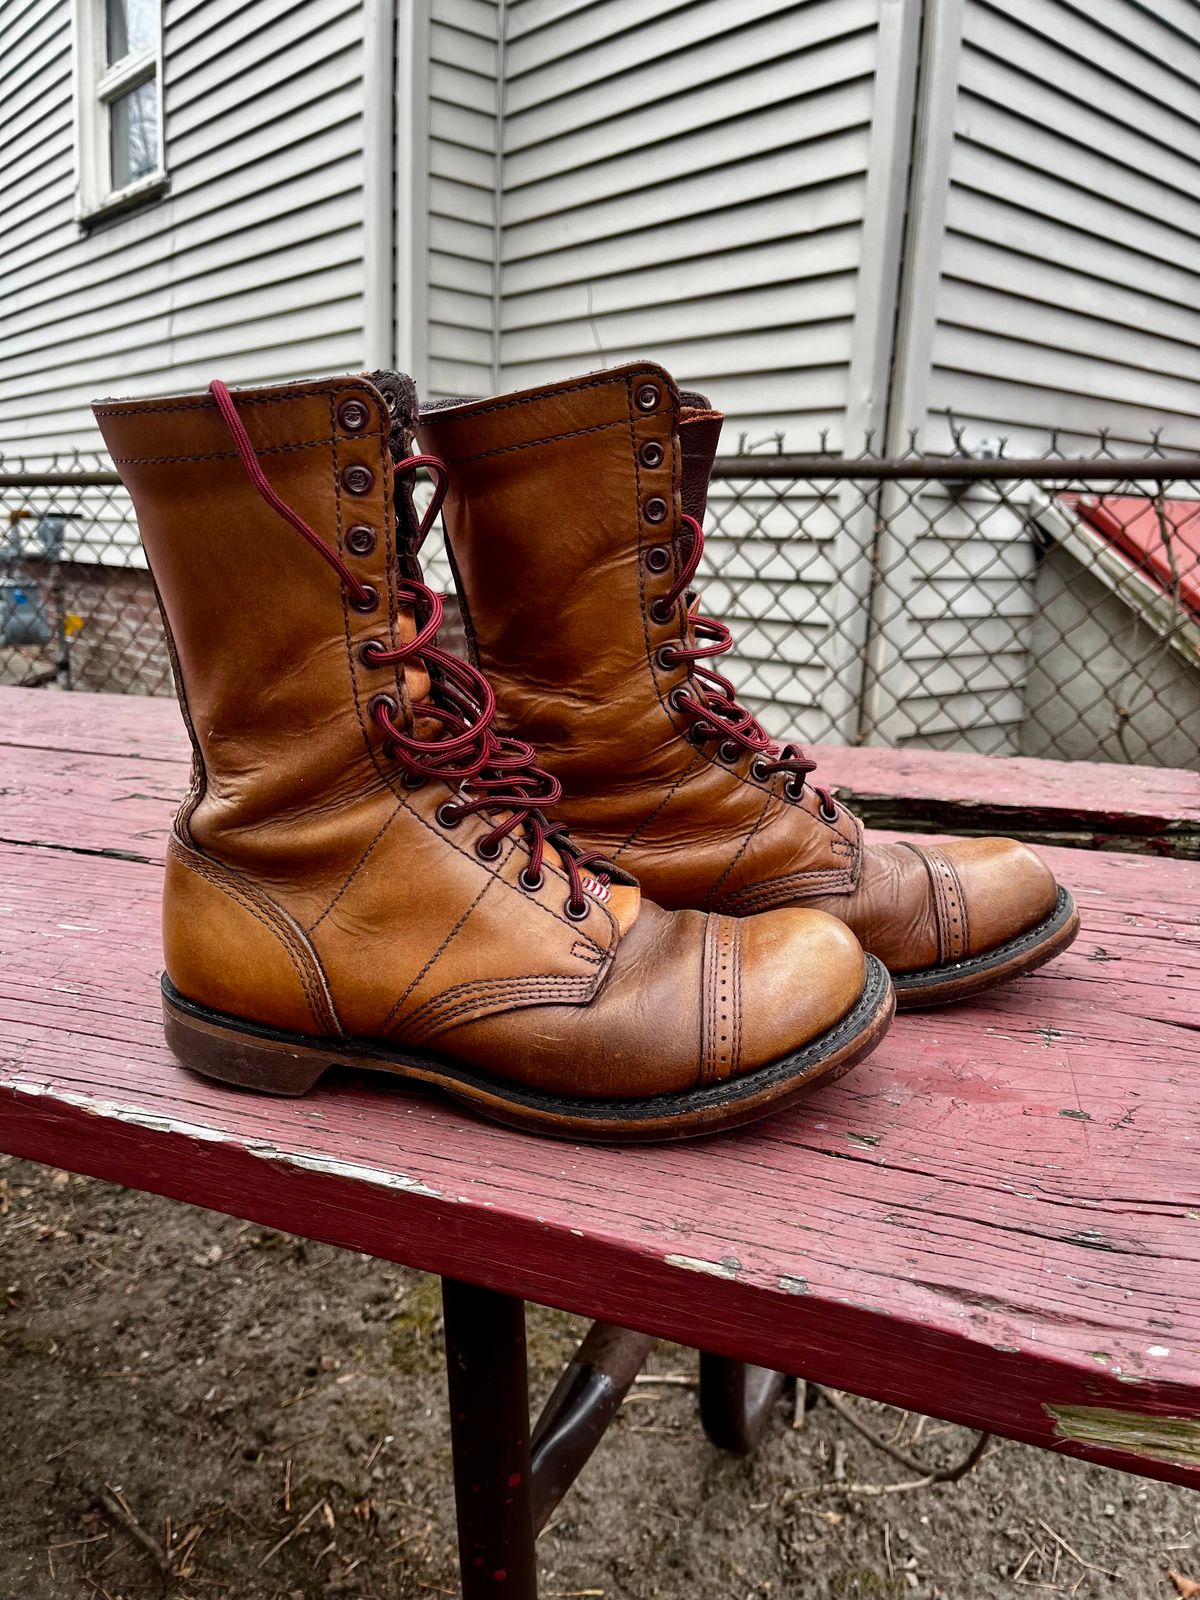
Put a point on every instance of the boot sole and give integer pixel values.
(235, 1051)
(958, 980)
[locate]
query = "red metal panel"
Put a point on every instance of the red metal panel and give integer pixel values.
(1159, 538)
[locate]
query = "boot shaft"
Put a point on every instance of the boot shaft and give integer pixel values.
(560, 517)
(316, 882)
(571, 517)
(266, 641)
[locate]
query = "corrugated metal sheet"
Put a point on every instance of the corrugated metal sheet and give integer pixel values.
(249, 269)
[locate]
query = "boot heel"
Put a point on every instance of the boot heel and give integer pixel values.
(249, 1060)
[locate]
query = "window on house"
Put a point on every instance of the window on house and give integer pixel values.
(118, 80)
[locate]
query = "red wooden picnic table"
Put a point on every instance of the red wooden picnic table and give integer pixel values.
(995, 1219)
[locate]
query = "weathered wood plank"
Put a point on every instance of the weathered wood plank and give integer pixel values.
(98, 804)
(99, 724)
(1155, 810)
(1147, 809)
(996, 1218)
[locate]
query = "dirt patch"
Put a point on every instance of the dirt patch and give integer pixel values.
(221, 1387)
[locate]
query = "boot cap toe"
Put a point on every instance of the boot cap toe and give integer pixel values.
(1007, 887)
(801, 971)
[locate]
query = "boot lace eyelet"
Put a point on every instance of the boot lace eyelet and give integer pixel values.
(411, 780)
(367, 600)
(488, 849)
(370, 652)
(449, 815)
(794, 790)
(677, 699)
(730, 751)
(383, 703)
(576, 911)
(666, 657)
(660, 611)
(658, 558)
(531, 882)
(759, 769)
(829, 814)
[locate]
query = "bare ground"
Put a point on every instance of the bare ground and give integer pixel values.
(271, 1412)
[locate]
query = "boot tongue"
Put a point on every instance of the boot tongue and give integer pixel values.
(399, 394)
(699, 436)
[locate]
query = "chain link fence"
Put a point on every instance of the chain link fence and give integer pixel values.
(1043, 607)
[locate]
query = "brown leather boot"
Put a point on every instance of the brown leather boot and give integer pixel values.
(363, 870)
(574, 523)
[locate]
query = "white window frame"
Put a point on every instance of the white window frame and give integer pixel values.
(97, 85)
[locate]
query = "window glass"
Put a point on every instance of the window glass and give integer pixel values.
(132, 24)
(133, 122)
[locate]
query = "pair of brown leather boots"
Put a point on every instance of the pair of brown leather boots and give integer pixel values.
(372, 865)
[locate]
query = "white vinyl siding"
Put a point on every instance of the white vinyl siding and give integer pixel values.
(1057, 267)
(1070, 263)
(687, 181)
(249, 269)
(464, 105)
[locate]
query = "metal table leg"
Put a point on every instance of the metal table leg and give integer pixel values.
(737, 1401)
(489, 1430)
(584, 1402)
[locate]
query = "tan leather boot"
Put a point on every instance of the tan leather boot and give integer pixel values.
(363, 870)
(574, 522)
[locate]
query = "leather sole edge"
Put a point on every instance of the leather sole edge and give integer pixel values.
(959, 980)
(249, 1055)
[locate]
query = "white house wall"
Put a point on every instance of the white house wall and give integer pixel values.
(1068, 264)
(464, 103)
(688, 181)
(1052, 282)
(249, 268)
(721, 187)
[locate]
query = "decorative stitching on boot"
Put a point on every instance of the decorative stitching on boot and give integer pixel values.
(693, 769)
(714, 893)
(784, 890)
(949, 902)
(721, 981)
(221, 455)
(277, 921)
(435, 957)
(476, 999)
(602, 380)
(204, 402)
(362, 861)
(532, 444)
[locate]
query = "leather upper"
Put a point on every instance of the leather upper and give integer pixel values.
(550, 519)
(563, 522)
(309, 887)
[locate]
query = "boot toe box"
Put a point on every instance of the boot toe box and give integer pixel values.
(1007, 887)
(800, 972)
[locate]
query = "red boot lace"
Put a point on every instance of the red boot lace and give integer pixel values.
(489, 771)
(713, 709)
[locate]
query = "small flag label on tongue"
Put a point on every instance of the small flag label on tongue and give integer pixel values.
(598, 888)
